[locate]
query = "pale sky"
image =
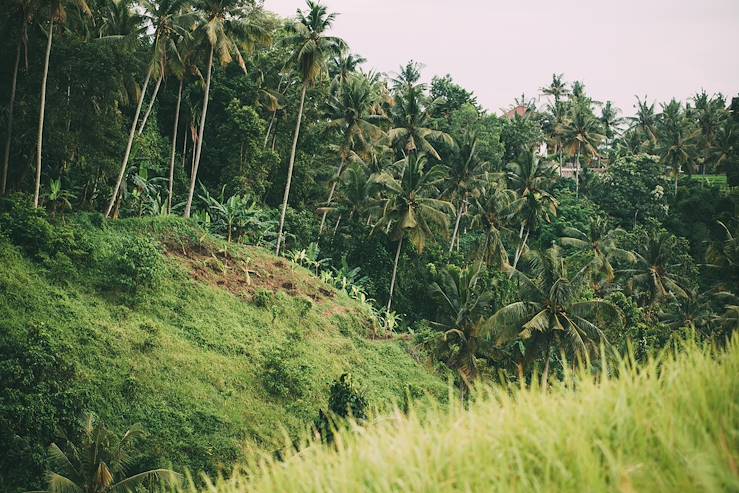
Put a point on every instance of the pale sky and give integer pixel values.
(500, 48)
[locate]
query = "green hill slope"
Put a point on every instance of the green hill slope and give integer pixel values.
(211, 347)
(671, 426)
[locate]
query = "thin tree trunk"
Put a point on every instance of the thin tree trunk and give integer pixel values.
(290, 167)
(577, 174)
(395, 272)
(269, 129)
(677, 177)
(456, 228)
(184, 146)
(40, 136)
(519, 251)
(174, 146)
(336, 227)
(6, 156)
(330, 196)
(127, 154)
(151, 104)
(194, 176)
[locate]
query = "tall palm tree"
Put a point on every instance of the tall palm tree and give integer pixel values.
(645, 120)
(493, 211)
(530, 177)
(21, 12)
(599, 243)
(410, 207)
(412, 130)
(676, 143)
(551, 312)
(610, 122)
(653, 272)
(167, 19)
(312, 49)
(228, 28)
(350, 112)
(56, 11)
(99, 464)
(557, 88)
(581, 133)
(342, 67)
(467, 172)
(461, 303)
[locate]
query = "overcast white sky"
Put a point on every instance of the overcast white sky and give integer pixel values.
(500, 48)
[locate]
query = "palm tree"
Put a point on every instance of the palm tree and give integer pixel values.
(652, 271)
(551, 312)
(599, 244)
(676, 144)
(580, 133)
(22, 11)
(57, 12)
(530, 177)
(462, 303)
(410, 208)
(466, 174)
(610, 122)
(342, 67)
(710, 116)
(312, 49)
(350, 111)
(493, 211)
(645, 120)
(412, 130)
(99, 464)
(227, 27)
(167, 19)
(557, 88)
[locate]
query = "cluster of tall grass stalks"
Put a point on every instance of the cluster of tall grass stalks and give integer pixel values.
(669, 425)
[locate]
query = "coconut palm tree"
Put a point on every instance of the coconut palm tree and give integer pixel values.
(342, 66)
(461, 303)
(350, 112)
(99, 464)
(581, 133)
(530, 177)
(653, 272)
(227, 28)
(557, 88)
(610, 122)
(22, 12)
(56, 11)
(466, 175)
(676, 140)
(312, 48)
(493, 211)
(600, 246)
(551, 313)
(410, 208)
(645, 120)
(168, 19)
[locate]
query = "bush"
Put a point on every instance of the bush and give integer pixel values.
(285, 372)
(345, 401)
(135, 264)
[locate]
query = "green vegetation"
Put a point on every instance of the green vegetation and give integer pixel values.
(158, 151)
(667, 425)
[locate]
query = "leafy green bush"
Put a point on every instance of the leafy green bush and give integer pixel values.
(135, 264)
(285, 373)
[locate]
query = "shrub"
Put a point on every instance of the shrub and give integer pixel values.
(285, 372)
(345, 400)
(135, 264)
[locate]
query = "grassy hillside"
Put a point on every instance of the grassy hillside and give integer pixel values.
(671, 426)
(212, 347)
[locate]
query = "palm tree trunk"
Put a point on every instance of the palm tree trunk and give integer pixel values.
(577, 174)
(290, 167)
(269, 129)
(127, 154)
(39, 137)
(174, 145)
(330, 196)
(519, 251)
(184, 146)
(6, 156)
(677, 177)
(395, 272)
(456, 228)
(194, 176)
(151, 105)
(336, 227)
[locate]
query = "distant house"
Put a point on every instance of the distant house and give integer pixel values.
(518, 111)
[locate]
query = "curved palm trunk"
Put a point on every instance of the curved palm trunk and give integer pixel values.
(395, 272)
(677, 177)
(151, 105)
(519, 251)
(269, 129)
(290, 168)
(330, 196)
(6, 156)
(456, 228)
(39, 137)
(199, 147)
(577, 174)
(174, 145)
(127, 154)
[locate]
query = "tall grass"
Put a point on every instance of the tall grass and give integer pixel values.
(670, 425)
